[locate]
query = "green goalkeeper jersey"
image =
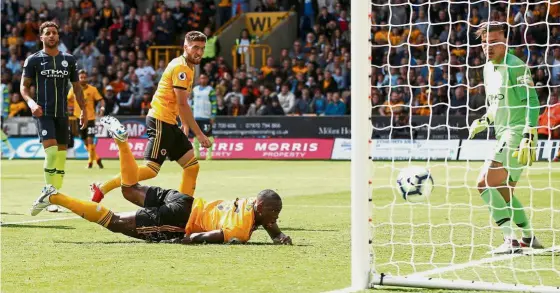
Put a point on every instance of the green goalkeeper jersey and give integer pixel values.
(511, 99)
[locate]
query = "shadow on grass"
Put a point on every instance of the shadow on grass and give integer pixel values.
(11, 214)
(103, 242)
(59, 227)
(307, 229)
(270, 244)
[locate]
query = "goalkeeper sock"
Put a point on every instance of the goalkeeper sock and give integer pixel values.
(210, 149)
(60, 166)
(499, 210)
(190, 172)
(196, 145)
(49, 164)
(520, 217)
(90, 211)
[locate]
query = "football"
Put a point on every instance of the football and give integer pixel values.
(415, 184)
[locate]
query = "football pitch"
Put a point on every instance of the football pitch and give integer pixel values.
(60, 252)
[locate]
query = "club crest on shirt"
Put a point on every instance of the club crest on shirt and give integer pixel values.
(64, 63)
(525, 79)
(182, 76)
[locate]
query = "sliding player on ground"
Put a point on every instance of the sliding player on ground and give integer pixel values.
(513, 108)
(204, 105)
(91, 96)
(165, 138)
(169, 215)
(51, 71)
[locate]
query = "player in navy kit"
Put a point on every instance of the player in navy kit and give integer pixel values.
(51, 71)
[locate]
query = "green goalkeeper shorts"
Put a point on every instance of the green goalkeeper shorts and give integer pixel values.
(508, 143)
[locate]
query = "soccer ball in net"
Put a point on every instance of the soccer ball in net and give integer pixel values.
(415, 183)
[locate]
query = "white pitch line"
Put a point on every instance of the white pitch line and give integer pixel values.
(40, 221)
(480, 262)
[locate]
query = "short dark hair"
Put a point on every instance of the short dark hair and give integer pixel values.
(195, 36)
(491, 26)
(82, 71)
(47, 24)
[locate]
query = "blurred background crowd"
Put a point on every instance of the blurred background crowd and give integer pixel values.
(110, 42)
(435, 65)
(426, 58)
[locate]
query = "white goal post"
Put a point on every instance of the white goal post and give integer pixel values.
(441, 260)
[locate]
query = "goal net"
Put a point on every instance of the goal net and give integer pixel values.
(425, 87)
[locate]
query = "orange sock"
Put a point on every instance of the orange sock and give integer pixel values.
(90, 211)
(129, 168)
(144, 173)
(90, 153)
(94, 153)
(188, 181)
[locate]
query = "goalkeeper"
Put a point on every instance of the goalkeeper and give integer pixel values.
(203, 102)
(513, 108)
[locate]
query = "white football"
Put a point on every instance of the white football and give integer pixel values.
(415, 184)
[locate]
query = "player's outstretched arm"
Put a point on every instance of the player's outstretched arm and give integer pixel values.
(215, 236)
(276, 235)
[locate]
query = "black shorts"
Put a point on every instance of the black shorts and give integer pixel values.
(165, 214)
(205, 126)
(53, 128)
(89, 131)
(165, 140)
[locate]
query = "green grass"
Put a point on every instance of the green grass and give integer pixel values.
(74, 255)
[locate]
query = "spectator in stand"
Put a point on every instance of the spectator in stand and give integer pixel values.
(549, 120)
(18, 107)
(257, 108)
(319, 103)
(274, 108)
(303, 103)
(236, 108)
(335, 105)
(234, 94)
(286, 99)
(146, 104)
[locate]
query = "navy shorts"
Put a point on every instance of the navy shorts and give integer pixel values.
(53, 128)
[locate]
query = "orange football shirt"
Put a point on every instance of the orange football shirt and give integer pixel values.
(91, 95)
(165, 106)
(236, 218)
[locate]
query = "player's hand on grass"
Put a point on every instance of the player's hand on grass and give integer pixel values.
(185, 240)
(282, 239)
(36, 110)
(478, 126)
(204, 140)
(526, 154)
(83, 120)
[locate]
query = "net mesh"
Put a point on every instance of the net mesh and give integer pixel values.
(427, 86)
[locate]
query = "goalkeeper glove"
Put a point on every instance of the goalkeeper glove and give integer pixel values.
(526, 154)
(478, 126)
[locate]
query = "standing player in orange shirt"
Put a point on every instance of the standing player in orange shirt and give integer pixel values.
(169, 215)
(91, 95)
(166, 139)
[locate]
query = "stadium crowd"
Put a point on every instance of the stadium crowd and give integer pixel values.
(446, 59)
(110, 42)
